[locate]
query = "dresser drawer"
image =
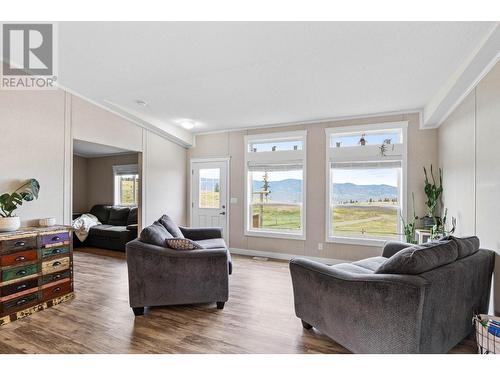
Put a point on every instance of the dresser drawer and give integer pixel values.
(19, 303)
(18, 257)
(18, 272)
(18, 287)
(53, 290)
(55, 265)
(51, 251)
(20, 244)
(49, 239)
(56, 276)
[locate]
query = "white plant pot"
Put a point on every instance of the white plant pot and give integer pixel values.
(9, 224)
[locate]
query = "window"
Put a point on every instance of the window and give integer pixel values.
(126, 185)
(209, 188)
(275, 188)
(366, 184)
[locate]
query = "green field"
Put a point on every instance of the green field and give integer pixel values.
(348, 220)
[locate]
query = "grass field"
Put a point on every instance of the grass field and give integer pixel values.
(348, 220)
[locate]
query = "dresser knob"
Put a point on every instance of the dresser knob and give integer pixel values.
(21, 302)
(22, 272)
(55, 290)
(19, 244)
(20, 259)
(56, 238)
(55, 264)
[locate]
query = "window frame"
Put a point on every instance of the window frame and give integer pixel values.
(365, 128)
(275, 157)
(121, 170)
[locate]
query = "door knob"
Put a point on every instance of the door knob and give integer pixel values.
(222, 213)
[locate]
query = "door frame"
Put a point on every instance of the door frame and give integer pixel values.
(226, 160)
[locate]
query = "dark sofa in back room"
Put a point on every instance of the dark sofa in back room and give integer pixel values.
(118, 226)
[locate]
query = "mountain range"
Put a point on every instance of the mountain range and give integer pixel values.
(289, 190)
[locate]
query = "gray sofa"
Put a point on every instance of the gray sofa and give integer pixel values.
(368, 307)
(160, 276)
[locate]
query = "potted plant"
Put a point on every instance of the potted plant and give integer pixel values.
(9, 202)
(410, 226)
(433, 192)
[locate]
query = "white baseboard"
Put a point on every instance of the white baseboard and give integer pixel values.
(282, 256)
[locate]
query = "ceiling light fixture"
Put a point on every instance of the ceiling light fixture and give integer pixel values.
(141, 102)
(187, 124)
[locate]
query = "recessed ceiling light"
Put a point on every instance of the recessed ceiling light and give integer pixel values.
(141, 102)
(187, 124)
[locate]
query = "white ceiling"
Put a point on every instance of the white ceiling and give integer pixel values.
(94, 150)
(241, 74)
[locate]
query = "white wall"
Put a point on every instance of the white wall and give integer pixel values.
(37, 128)
(32, 145)
(470, 157)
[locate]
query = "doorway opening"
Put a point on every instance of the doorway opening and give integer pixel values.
(106, 196)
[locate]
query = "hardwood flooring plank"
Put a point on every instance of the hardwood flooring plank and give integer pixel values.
(258, 318)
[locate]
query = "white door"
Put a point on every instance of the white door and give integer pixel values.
(209, 194)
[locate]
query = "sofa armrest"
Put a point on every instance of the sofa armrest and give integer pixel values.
(392, 247)
(366, 313)
(198, 234)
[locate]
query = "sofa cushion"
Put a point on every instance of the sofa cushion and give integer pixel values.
(213, 243)
(371, 264)
(182, 244)
(132, 216)
(352, 268)
(171, 226)
(466, 245)
(109, 231)
(101, 211)
(155, 234)
(118, 215)
(420, 258)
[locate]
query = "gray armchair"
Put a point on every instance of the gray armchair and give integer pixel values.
(159, 276)
(371, 312)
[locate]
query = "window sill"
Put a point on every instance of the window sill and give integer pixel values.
(359, 241)
(284, 236)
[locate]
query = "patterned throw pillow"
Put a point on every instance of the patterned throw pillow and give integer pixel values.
(182, 244)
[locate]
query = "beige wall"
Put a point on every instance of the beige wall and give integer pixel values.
(422, 151)
(165, 176)
(32, 145)
(470, 157)
(80, 190)
(100, 182)
(36, 130)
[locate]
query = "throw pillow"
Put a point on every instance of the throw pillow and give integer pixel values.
(420, 258)
(182, 244)
(155, 234)
(171, 226)
(466, 245)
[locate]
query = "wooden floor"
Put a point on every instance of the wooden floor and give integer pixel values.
(258, 318)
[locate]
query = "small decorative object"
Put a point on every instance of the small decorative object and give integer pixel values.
(409, 227)
(338, 144)
(385, 146)
(47, 222)
(274, 148)
(9, 202)
(362, 140)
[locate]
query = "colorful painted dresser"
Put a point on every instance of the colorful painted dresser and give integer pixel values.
(36, 270)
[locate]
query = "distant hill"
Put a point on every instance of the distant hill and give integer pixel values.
(290, 190)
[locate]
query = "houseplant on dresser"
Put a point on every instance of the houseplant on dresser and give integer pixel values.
(9, 202)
